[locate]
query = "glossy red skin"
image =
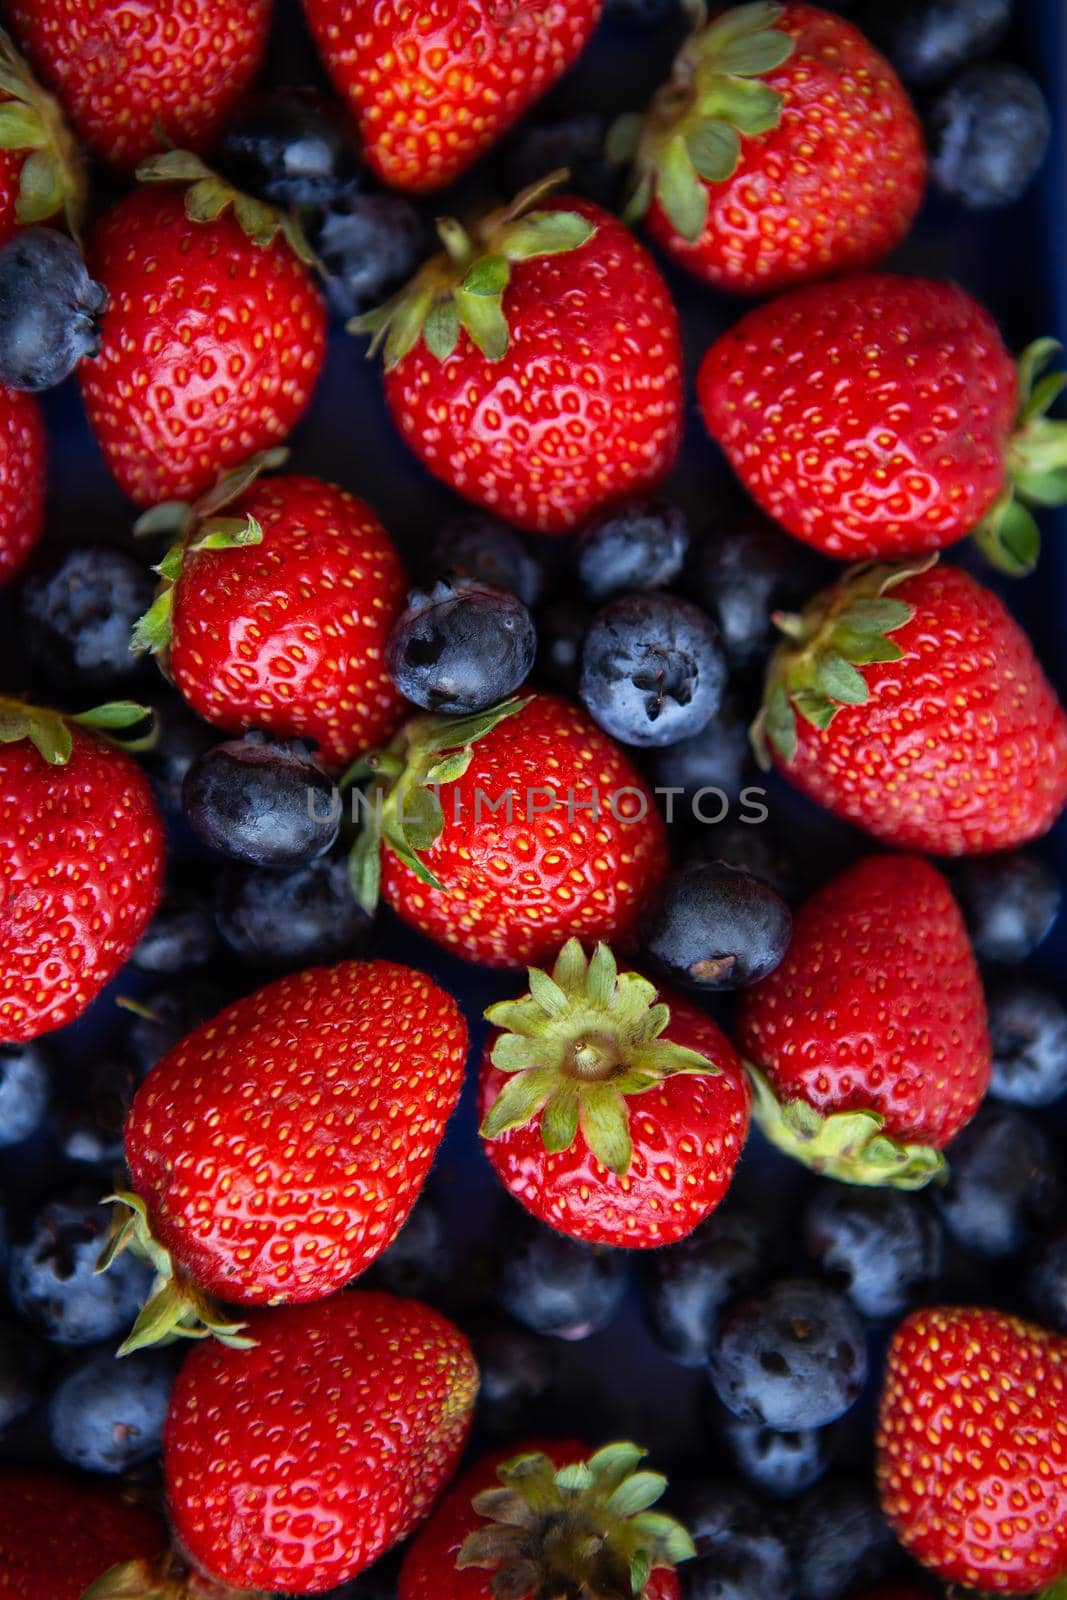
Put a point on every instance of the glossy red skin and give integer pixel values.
(289, 635)
(280, 1147)
(878, 1004)
(587, 406)
(124, 69)
(961, 748)
(432, 86)
(834, 188)
(23, 464)
(58, 1534)
(429, 1571)
(687, 1137)
(187, 384)
(81, 873)
(870, 417)
(298, 1463)
(514, 893)
(972, 1448)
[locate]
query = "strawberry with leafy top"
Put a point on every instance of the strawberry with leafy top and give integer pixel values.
(535, 365)
(880, 416)
(503, 834)
(41, 169)
(213, 337)
(549, 1517)
(23, 469)
(613, 1115)
(433, 86)
(81, 860)
(782, 148)
(972, 1449)
(869, 1047)
(57, 1535)
(909, 702)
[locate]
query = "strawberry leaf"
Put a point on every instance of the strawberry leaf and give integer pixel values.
(680, 191)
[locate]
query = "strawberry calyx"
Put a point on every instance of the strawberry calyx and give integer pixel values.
(1009, 536)
(462, 289)
(817, 667)
(691, 134)
(209, 196)
(53, 178)
(575, 1047)
(167, 1578)
(851, 1146)
(579, 1532)
(50, 731)
(176, 1308)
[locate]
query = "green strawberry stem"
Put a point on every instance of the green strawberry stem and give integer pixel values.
(691, 136)
(575, 1047)
(53, 177)
(583, 1529)
(50, 731)
(1009, 537)
(850, 1146)
(176, 1308)
(209, 196)
(168, 1578)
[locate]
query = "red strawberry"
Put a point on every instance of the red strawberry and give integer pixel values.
(908, 701)
(782, 148)
(504, 834)
(536, 366)
(870, 1041)
(213, 338)
(972, 1448)
(433, 86)
(548, 1517)
(279, 1148)
(883, 416)
(135, 78)
(41, 169)
(296, 1464)
(81, 862)
(59, 1534)
(276, 615)
(23, 462)
(613, 1118)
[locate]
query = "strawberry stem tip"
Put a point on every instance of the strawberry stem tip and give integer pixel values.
(1009, 537)
(850, 1146)
(168, 1578)
(587, 1527)
(691, 136)
(575, 1047)
(50, 731)
(209, 196)
(53, 178)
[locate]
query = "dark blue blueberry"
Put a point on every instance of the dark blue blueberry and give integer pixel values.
(55, 1285)
(838, 1539)
(714, 926)
(640, 547)
(370, 243)
(292, 147)
(166, 1016)
(791, 1357)
(744, 570)
(461, 647)
(988, 134)
(181, 938)
(265, 803)
(1028, 1029)
(108, 1415)
(49, 309)
(653, 670)
(739, 1554)
(421, 1260)
(778, 1464)
(479, 547)
(718, 758)
(24, 1090)
(574, 141)
(91, 1122)
(292, 919)
(1010, 903)
(1048, 1281)
(555, 1285)
(78, 608)
(752, 846)
(562, 625)
(515, 1369)
(1002, 1183)
(928, 40)
(20, 1370)
(686, 1285)
(882, 1247)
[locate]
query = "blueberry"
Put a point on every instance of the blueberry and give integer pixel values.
(24, 1090)
(515, 1369)
(882, 1247)
(575, 141)
(838, 1540)
(718, 758)
(714, 926)
(739, 1556)
(479, 547)
(180, 938)
(562, 624)
(268, 804)
(1048, 1281)
(78, 608)
(461, 647)
(777, 1464)
(108, 1415)
(652, 669)
(640, 547)
(420, 1261)
(687, 1284)
(370, 243)
(292, 919)
(91, 1124)
(751, 847)
(745, 570)
(792, 1356)
(54, 1283)
(928, 40)
(49, 309)
(292, 147)
(988, 134)
(20, 1362)
(167, 1015)
(1009, 901)
(1002, 1183)
(555, 1285)
(1028, 1029)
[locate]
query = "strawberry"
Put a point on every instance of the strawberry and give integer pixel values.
(276, 614)
(213, 337)
(41, 169)
(868, 1046)
(278, 1149)
(59, 1534)
(503, 834)
(880, 416)
(614, 1118)
(782, 148)
(549, 1517)
(296, 1464)
(138, 78)
(23, 463)
(433, 86)
(972, 1448)
(535, 365)
(81, 861)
